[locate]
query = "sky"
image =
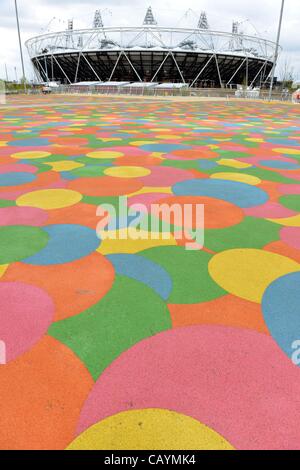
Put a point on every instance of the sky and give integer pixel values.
(41, 16)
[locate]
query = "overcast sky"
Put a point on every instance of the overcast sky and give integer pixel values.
(259, 16)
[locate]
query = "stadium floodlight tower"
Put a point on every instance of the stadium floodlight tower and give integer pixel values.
(69, 35)
(196, 56)
(235, 27)
(98, 23)
(237, 37)
(149, 18)
(203, 23)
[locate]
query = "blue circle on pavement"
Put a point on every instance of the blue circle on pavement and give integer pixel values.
(30, 142)
(164, 148)
(67, 242)
(280, 165)
(241, 194)
(14, 179)
(143, 270)
(281, 310)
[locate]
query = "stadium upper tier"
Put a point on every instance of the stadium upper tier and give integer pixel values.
(148, 53)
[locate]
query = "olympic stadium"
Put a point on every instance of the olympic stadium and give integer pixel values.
(152, 54)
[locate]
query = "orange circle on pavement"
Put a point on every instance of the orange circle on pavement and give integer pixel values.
(73, 141)
(73, 287)
(217, 213)
(46, 179)
(141, 160)
(105, 186)
(80, 214)
(195, 154)
(68, 150)
(228, 310)
(41, 396)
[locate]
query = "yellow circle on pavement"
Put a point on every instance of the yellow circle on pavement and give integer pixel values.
(127, 171)
(104, 154)
(150, 429)
(293, 221)
(66, 165)
(30, 155)
(239, 177)
(233, 163)
(3, 268)
(287, 151)
(50, 198)
(140, 143)
(247, 273)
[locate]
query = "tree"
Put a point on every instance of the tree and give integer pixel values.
(287, 74)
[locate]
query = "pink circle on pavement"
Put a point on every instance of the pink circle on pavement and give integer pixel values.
(269, 210)
(128, 150)
(26, 313)
(295, 174)
(234, 148)
(18, 167)
(236, 381)
(12, 195)
(163, 176)
(289, 188)
(146, 199)
(291, 236)
(22, 216)
(9, 150)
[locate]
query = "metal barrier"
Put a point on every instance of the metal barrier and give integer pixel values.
(168, 92)
(215, 93)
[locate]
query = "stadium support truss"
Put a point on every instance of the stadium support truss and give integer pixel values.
(150, 53)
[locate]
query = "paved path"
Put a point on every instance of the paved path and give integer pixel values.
(137, 340)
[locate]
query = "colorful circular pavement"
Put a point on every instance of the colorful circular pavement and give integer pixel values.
(141, 343)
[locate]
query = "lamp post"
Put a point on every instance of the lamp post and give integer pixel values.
(276, 50)
(20, 45)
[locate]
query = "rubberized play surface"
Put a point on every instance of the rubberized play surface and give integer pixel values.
(128, 344)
